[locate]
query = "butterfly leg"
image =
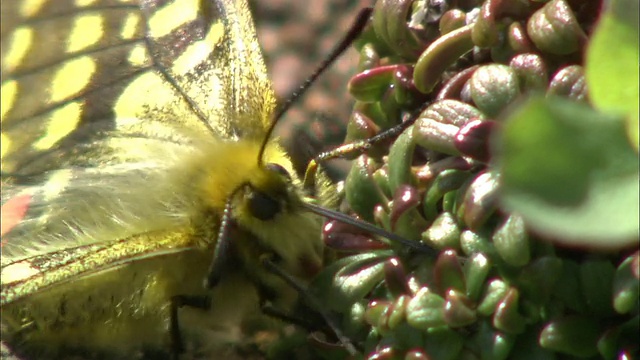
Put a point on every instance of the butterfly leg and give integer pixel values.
(202, 302)
(351, 150)
(311, 300)
(276, 313)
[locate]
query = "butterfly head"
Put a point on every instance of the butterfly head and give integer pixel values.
(265, 199)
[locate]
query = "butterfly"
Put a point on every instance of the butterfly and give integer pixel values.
(136, 148)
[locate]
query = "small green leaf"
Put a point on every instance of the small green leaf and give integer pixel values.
(400, 156)
(626, 289)
(426, 310)
(362, 191)
(573, 335)
(512, 241)
(349, 279)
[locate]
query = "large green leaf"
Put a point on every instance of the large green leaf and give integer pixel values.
(570, 172)
(612, 69)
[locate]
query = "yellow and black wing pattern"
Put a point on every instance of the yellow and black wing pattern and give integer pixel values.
(95, 92)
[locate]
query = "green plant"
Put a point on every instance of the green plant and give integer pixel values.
(521, 171)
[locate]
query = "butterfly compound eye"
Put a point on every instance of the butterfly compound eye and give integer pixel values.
(263, 206)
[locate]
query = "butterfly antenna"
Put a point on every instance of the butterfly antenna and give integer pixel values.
(353, 33)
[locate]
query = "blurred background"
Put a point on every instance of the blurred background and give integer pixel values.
(296, 36)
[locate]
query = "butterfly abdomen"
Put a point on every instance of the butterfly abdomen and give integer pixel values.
(125, 310)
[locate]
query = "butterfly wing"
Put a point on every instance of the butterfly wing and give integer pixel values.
(82, 74)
